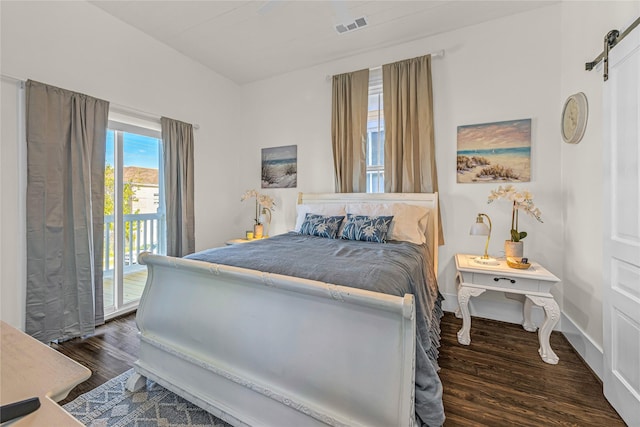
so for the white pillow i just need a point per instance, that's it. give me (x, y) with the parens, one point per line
(409, 221)
(332, 209)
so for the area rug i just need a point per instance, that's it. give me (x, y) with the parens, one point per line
(113, 405)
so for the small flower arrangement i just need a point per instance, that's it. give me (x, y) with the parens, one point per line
(521, 200)
(264, 204)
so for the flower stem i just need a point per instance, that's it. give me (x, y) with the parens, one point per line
(257, 204)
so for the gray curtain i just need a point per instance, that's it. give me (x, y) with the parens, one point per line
(177, 146)
(409, 146)
(66, 134)
(350, 98)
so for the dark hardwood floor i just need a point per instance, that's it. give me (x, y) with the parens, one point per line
(498, 380)
(108, 353)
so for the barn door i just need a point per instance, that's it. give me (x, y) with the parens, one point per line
(621, 248)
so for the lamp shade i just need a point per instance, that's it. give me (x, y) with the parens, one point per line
(479, 228)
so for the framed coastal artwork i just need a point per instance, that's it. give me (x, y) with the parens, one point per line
(280, 167)
(494, 152)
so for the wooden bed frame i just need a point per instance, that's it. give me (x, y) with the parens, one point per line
(261, 349)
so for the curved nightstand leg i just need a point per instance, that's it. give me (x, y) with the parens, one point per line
(528, 325)
(464, 294)
(551, 317)
(458, 284)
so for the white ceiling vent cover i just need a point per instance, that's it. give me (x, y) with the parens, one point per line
(351, 26)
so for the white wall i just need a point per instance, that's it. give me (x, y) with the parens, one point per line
(12, 231)
(584, 25)
(500, 70)
(77, 46)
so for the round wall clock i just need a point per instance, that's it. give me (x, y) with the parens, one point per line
(574, 118)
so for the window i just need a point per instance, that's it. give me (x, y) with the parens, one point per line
(134, 211)
(375, 134)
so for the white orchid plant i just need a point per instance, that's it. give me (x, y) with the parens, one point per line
(264, 203)
(522, 200)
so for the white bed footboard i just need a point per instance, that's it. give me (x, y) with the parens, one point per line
(263, 349)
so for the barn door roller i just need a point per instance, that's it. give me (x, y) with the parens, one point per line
(612, 38)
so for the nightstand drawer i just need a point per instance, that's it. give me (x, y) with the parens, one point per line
(506, 282)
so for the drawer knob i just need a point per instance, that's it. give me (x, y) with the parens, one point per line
(496, 279)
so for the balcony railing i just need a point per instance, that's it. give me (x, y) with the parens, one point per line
(143, 232)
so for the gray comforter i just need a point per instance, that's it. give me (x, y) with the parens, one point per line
(394, 268)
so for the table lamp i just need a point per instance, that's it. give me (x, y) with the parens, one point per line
(480, 228)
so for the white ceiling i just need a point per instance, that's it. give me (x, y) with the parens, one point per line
(247, 41)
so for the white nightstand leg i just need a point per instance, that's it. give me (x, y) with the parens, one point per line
(464, 294)
(458, 284)
(551, 317)
(528, 325)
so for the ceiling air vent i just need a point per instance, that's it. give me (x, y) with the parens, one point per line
(351, 26)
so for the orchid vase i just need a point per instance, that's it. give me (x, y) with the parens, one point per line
(513, 249)
(264, 207)
(520, 200)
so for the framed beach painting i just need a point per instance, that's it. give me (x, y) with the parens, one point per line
(494, 152)
(280, 167)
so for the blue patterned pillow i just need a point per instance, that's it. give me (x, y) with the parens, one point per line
(366, 228)
(321, 225)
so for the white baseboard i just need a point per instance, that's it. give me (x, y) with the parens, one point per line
(507, 310)
(590, 352)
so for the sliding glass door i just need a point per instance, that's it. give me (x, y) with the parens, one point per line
(134, 213)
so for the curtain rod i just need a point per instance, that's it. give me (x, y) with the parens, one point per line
(436, 54)
(612, 38)
(118, 108)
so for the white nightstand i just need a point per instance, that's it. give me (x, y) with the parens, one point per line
(241, 240)
(534, 283)
(237, 241)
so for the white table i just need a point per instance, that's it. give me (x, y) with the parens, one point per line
(241, 240)
(28, 368)
(534, 284)
(237, 241)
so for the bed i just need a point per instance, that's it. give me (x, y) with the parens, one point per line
(306, 342)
